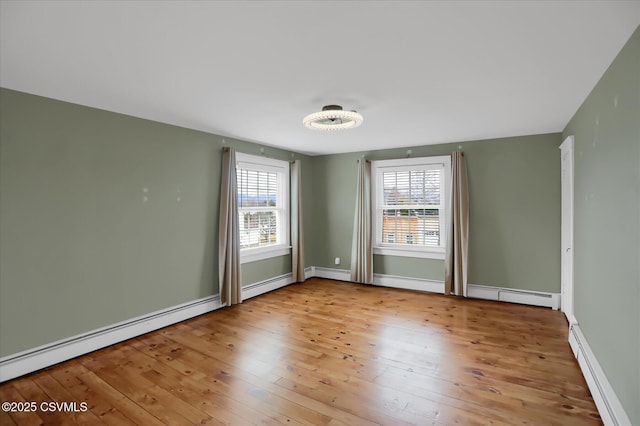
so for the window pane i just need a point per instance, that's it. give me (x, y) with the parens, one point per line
(415, 187)
(258, 229)
(412, 226)
(257, 188)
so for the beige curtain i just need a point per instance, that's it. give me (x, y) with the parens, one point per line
(229, 234)
(362, 250)
(457, 253)
(297, 234)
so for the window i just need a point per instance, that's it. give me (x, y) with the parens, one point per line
(263, 207)
(410, 198)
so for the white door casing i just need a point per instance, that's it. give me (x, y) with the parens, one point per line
(566, 279)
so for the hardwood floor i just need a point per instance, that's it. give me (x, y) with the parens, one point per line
(328, 353)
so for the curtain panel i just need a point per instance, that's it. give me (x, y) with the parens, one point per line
(362, 243)
(457, 251)
(297, 233)
(229, 233)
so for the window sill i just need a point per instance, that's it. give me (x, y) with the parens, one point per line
(428, 253)
(255, 254)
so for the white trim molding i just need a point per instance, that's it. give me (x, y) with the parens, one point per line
(512, 295)
(607, 402)
(332, 274)
(383, 246)
(256, 289)
(309, 272)
(31, 360)
(24, 362)
(475, 291)
(261, 253)
(255, 164)
(384, 280)
(408, 283)
(411, 251)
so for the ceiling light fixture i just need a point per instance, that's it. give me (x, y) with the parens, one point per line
(333, 117)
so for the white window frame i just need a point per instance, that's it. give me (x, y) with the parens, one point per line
(281, 168)
(380, 246)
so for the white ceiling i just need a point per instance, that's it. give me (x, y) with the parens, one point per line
(420, 72)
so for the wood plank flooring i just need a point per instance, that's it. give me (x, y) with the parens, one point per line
(328, 353)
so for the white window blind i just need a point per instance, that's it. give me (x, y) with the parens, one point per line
(258, 208)
(409, 206)
(412, 204)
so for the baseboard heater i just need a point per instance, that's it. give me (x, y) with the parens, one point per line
(525, 297)
(607, 402)
(62, 350)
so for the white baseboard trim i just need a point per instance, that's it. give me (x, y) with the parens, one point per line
(31, 360)
(332, 274)
(525, 297)
(384, 280)
(309, 272)
(606, 400)
(501, 294)
(408, 283)
(28, 361)
(256, 289)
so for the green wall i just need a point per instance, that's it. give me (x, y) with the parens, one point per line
(80, 248)
(607, 223)
(514, 186)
